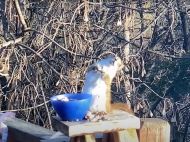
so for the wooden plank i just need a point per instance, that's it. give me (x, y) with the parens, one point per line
(22, 131)
(118, 120)
(154, 130)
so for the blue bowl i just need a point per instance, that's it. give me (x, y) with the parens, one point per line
(71, 107)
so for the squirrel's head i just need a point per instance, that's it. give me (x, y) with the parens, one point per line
(110, 65)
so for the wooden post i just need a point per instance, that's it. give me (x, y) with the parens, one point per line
(154, 130)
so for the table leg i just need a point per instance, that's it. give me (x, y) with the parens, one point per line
(85, 138)
(76, 139)
(89, 138)
(129, 135)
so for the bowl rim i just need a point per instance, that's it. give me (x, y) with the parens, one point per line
(53, 98)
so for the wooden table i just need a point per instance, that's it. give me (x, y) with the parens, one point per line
(119, 127)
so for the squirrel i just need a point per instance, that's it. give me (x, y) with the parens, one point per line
(97, 82)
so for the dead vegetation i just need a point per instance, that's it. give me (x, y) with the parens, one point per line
(46, 47)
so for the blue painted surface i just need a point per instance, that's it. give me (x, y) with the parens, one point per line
(73, 110)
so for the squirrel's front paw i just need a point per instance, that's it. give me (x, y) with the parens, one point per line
(96, 116)
(89, 115)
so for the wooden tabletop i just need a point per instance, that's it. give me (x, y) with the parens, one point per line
(117, 120)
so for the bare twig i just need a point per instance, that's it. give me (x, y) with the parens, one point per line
(47, 110)
(39, 55)
(22, 19)
(5, 44)
(29, 108)
(72, 53)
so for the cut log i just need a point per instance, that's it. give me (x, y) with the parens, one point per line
(154, 130)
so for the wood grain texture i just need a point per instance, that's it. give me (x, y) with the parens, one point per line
(129, 135)
(154, 130)
(117, 120)
(89, 138)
